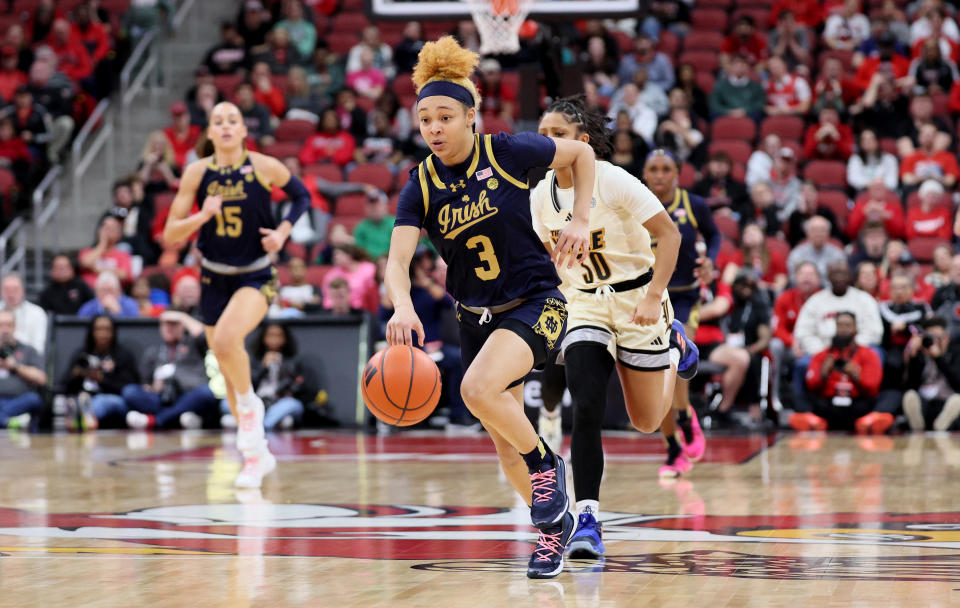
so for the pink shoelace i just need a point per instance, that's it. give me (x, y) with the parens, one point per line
(547, 545)
(247, 421)
(250, 466)
(544, 485)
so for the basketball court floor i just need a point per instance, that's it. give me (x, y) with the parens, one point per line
(421, 519)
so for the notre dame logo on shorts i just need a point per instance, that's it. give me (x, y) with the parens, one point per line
(551, 321)
(269, 289)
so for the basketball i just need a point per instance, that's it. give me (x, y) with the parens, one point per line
(401, 385)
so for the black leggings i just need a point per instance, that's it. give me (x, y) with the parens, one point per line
(553, 382)
(589, 366)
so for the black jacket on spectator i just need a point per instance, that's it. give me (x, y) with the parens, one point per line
(65, 298)
(886, 119)
(727, 192)
(948, 364)
(257, 120)
(405, 55)
(293, 380)
(911, 314)
(187, 355)
(119, 369)
(947, 293)
(226, 59)
(37, 123)
(794, 227)
(57, 96)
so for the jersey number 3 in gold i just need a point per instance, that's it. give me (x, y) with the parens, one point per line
(489, 268)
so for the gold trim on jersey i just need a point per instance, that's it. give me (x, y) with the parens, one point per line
(424, 188)
(435, 177)
(260, 178)
(476, 155)
(213, 165)
(433, 174)
(488, 144)
(681, 196)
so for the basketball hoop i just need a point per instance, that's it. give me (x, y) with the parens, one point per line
(499, 22)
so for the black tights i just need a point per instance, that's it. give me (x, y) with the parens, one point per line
(588, 372)
(553, 383)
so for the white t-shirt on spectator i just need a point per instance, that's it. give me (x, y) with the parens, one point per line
(297, 294)
(921, 29)
(816, 323)
(31, 325)
(643, 120)
(860, 174)
(759, 167)
(841, 28)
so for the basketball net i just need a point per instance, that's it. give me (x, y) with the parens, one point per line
(498, 22)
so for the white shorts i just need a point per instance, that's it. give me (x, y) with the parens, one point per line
(607, 319)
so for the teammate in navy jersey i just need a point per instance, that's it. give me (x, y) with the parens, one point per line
(472, 197)
(693, 217)
(232, 187)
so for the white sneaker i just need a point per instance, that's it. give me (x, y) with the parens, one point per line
(949, 413)
(255, 469)
(913, 410)
(551, 428)
(137, 420)
(250, 426)
(227, 421)
(190, 420)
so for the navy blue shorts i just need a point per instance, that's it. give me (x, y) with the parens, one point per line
(686, 308)
(540, 321)
(219, 288)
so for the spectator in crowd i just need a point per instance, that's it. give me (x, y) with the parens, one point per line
(303, 34)
(643, 120)
(73, 59)
(303, 103)
(380, 146)
(764, 208)
(32, 123)
(11, 76)
(760, 163)
(901, 315)
(843, 380)
(109, 300)
(497, 97)
(933, 378)
(144, 15)
(627, 152)
(176, 387)
(744, 40)
(808, 206)
(14, 155)
(845, 30)
(658, 66)
(253, 24)
(921, 114)
(148, 300)
(21, 376)
(809, 13)
(867, 278)
(367, 80)
(330, 143)
(789, 41)
(927, 162)
(881, 108)
(279, 377)
(939, 274)
(767, 268)
(406, 51)
(350, 263)
(158, 166)
(128, 209)
(828, 139)
(298, 294)
(721, 190)
(678, 134)
(337, 298)
(265, 92)
(353, 118)
(185, 294)
(787, 93)
(786, 308)
(256, 116)
(932, 72)
(372, 234)
(817, 248)
(877, 206)
(885, 59)
(832, 89)
(326, 75)
(181, 135)
(697, 100)
(736, 94)
(16, 38)
(931, 218)
(278, 52)
(948, 294)
(669, 15)
(229, 56)
(207, 96)
(30, 319)
(98, 371)
(652, 95)
(870, 162)
(785, 183)
(748, 328)
(66, 292)
(382, 53)
(105, 255)
(929, 15)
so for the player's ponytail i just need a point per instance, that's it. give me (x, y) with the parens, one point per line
(447, 63)
(587, 120)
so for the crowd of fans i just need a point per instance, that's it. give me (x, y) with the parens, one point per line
(821, 134)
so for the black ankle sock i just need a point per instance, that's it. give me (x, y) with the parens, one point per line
(673, 446)
(683, 421)
(538, 456)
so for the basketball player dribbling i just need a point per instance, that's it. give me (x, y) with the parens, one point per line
(619, 311)
(232, 187)
(472, 197)
(692, 215)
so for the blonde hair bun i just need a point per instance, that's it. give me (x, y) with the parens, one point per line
(446, 60)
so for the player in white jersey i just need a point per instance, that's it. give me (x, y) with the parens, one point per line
(619, 313)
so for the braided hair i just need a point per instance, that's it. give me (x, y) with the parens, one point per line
(588, 121)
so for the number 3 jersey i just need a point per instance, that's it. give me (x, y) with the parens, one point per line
(477, 214)
(233, 236)
(619, 244)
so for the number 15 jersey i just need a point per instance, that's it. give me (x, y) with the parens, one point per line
(477, 214)
(619, 243)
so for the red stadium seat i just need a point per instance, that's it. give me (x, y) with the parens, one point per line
(688, 176)
(838, 203)
(294, 130)
(727, 247)
(294, 250)
(403, 85)
(624, 41)
(760, 15)
(739, 151)
(341, 42)
(316, 273)
(709, 18)
(350, 22)
(778, 245)
(403, 176)
(922, 247)
(162, 202)
(891, 197)
(787, 127)
(351, 205)
(738, 172)
(494, 124)
(843, 56)
(227, 83)
(728, 127)
(795, 145)
(373, 174)
(723, 5)
(827, 173)
(394, 200)
(283, 149)
(889, 145)
(348, 222)
(669, 43)
(727, 226)
(941, 104)
(706, 40)
(706, 80)
(7, 181)
(702, 61)
(327, 171)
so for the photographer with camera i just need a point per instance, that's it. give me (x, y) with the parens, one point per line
(21, 376)
(843, 381)
(932, 377)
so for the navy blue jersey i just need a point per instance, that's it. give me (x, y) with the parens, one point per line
(692, 215)
(233, 235)
(477, 214)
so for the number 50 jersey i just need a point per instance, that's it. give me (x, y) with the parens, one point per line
(619, 243)
(477, 214)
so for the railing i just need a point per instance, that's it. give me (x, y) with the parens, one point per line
(46, 203)
(82, 160)
(134, 75)
(18, 258)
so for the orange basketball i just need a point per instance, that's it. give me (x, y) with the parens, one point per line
(401, 385)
